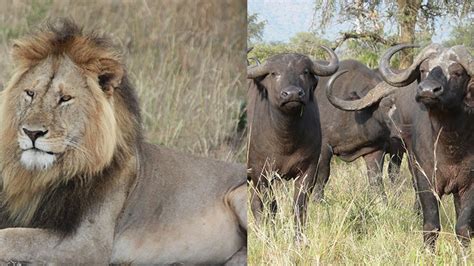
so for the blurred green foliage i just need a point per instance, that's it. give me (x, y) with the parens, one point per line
(365, 50)
(37, 12)
(34, 13)
(254, 29)
(303, 42)
(462, 34)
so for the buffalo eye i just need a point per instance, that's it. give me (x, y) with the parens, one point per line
(30, 93)
(423, 72)
(455, 70)
(65, 98)
(274, 74)
(456, 74)
(306, 71)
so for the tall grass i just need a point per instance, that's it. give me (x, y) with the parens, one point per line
(353, 226)
(186, 58)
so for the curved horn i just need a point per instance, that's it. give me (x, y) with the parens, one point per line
(326, 70)
(257, 62)
(464, 58)
(373, 96)
(257, 71)
(407, 76)
(248, 51)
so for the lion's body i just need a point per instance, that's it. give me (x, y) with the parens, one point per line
(182, 201)
(78, 183)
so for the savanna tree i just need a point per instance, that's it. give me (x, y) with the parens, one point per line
(254, 29)
(414, 20)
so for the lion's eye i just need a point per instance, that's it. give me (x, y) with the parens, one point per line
(30, 93)
(65, 98)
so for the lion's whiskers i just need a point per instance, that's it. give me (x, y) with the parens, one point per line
(78, 147)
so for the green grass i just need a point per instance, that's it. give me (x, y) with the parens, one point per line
(185, 58)
(353, 226)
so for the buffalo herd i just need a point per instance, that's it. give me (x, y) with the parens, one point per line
(302, 112)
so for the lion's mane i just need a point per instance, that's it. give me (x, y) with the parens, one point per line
(58, 198)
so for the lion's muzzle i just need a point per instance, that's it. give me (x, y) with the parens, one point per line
(36, 152)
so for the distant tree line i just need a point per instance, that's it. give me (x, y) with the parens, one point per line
(414, 21)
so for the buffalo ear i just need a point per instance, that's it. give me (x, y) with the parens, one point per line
(111, 75)
(469, 98)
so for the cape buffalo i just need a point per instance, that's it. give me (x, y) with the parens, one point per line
(285, 133)
(436, 121)
(350, 135)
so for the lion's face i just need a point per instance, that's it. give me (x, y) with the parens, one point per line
(54, 112)
(58, 119)
(67, 113)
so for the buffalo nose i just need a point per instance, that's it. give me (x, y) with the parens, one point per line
(430, 88)
(34, 134)
(292, 92)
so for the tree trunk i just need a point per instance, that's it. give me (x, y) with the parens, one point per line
(407, 14)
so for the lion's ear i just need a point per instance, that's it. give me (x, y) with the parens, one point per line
(111, 75)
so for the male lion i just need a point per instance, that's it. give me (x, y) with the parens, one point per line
(79, 185)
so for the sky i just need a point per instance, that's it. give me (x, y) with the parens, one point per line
(285, 18)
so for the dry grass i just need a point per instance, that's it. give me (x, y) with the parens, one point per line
(186, 58)
(354, 227)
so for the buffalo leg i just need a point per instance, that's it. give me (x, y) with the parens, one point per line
(465, 222)
(261, 194)
(324, 171)
(416, 204)
(431, 224)
(457, 204)
(303, 188)
(374, 163)
(430, 209)
(396, 157)
(273, 207)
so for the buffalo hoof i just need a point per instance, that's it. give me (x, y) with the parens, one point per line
(318, 197)
(430, 235)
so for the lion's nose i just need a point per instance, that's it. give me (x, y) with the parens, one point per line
(34, 134)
